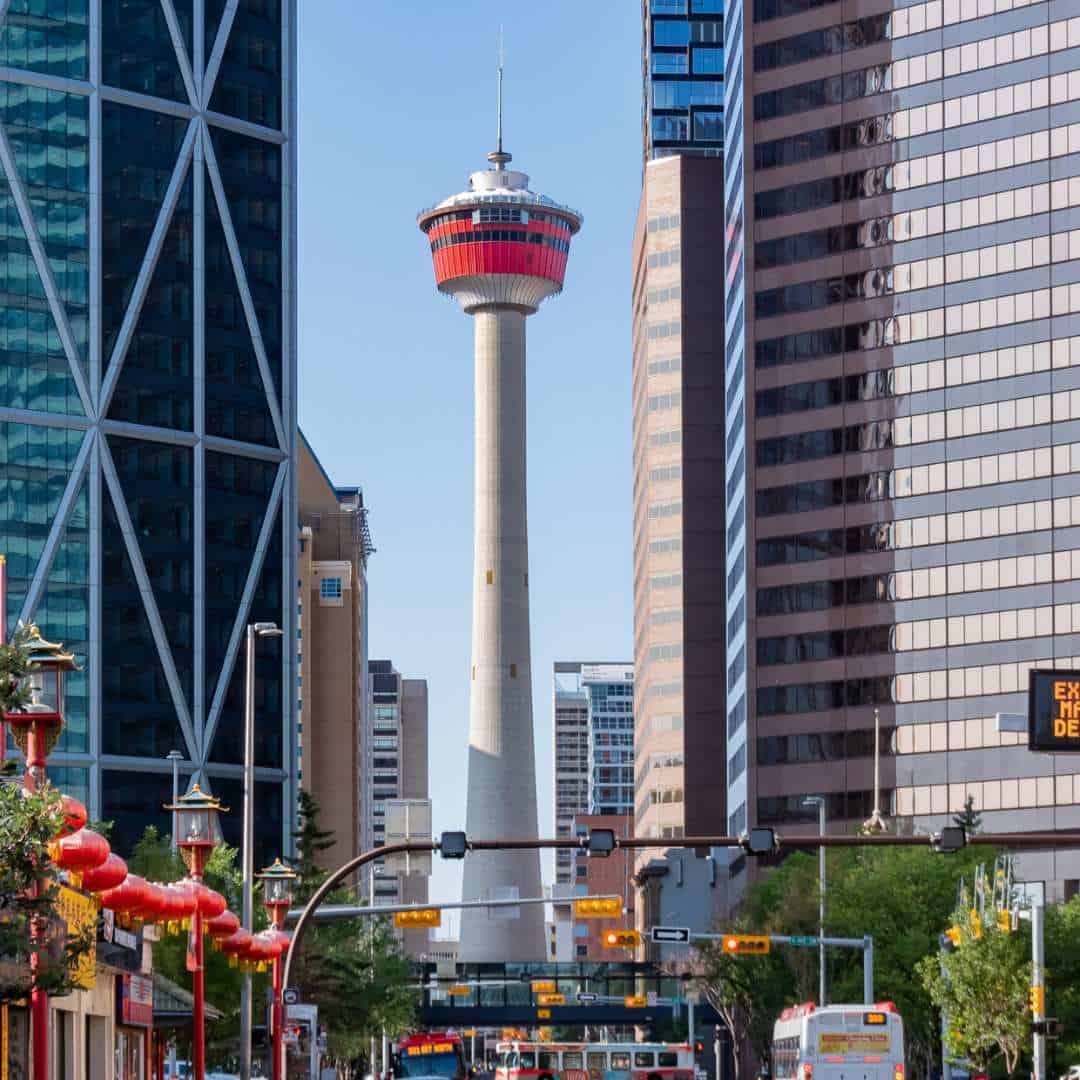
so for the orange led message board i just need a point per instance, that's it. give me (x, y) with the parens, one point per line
(1054, 712)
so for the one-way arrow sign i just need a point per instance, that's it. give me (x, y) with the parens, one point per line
(585, 998)
(670, 935)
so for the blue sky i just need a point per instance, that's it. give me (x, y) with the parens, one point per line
(397, 107)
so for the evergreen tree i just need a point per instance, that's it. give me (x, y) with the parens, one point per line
(969, 819)
(311, 842)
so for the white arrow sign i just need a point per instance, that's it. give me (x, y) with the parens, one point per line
(671, 935)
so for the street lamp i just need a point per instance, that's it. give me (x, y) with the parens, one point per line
(175, 757)
(254, 630)
(198, 831)
(876, 824)
(35, 727)
(819, 802)
(279, 882)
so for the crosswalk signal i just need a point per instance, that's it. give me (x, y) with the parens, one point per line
(952, 935)
(746, 944)
(419, 917)
(622, 939)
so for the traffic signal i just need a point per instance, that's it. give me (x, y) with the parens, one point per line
(622, 939)
(635, 1001)
(952, 936)
(420, 917)
(976, 924)
(1004, 921)
(590, 907)
(1037, 999)
(543, 986)
(746, 944)
(543, 1014)
(551, 999)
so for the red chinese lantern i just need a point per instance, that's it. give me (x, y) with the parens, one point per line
(261, 952)
(126, 897)
(222, 926)
(155, 905)
(108, 875)
(236, 946)
(211, 903)
(74, 816)
(79, 852)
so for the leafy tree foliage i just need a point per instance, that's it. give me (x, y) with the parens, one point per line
(982, 987)
(969, 819)
(28, 893)
(353, 970)
(154, 861)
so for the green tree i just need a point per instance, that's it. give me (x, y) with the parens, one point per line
(353, 970)
(1063, 974)
(154, 860)
(969, 819)
(903, 898)
(982, 987)
(28, 893)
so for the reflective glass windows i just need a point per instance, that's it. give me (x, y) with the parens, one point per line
(50, 36)
(249, 81)
(137, 52)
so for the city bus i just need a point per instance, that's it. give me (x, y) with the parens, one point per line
(430, 1056)
(594, 1061)
(839, 1042)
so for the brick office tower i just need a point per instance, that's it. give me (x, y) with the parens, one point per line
(500, 250)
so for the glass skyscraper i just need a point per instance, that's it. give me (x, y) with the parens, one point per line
(147, 386)
(903, 362)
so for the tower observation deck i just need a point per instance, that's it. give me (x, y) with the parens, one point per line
(500, 250)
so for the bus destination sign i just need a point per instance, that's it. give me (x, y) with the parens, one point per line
(1054, 712)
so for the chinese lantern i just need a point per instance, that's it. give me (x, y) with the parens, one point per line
(236, 946)
(108, 875)
(222, 926)
(127, 897)
(211, 904)
(74, 816)
(155, 904)
(278, 939)
(81, 851)
(261, 952)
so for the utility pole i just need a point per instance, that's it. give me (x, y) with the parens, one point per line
(1038, 987)
(819, 802)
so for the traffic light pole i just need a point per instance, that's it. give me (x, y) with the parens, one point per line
(1038, 988)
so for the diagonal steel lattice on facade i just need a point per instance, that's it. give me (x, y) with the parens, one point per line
(148, 384)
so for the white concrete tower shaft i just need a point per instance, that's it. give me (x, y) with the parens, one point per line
(502, 774)
(500, 250)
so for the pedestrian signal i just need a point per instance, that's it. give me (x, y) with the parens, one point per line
(418, 917)
(622, 939)
(746, 944)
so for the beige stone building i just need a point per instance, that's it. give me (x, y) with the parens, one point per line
(332, 648)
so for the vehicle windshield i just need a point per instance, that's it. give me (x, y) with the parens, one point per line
(441, 1064)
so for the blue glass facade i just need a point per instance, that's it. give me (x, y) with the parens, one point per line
(147, 386)
(683, 72)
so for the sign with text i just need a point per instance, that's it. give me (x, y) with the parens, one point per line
(136, 994)
(79, 913)
(1054, 712)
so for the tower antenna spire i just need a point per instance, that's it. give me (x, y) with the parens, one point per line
(498, 157)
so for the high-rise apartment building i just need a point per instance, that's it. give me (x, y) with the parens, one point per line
(147, 408)
(332, 699)
(678, 429)
(395, 753)
(903, 344)
(593, 735)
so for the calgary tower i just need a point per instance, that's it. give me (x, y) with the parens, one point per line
(500, 250)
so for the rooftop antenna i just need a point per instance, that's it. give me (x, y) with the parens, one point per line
(498, 157)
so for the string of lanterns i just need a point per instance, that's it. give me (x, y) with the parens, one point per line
(86, 857)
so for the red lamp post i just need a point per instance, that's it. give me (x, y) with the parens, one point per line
(35, 727)
(279, 881)
(197, 831)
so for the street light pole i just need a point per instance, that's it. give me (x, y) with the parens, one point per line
(819, 802)
(175, 757)
(254, 630)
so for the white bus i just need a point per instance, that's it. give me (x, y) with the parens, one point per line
(839, 1042)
